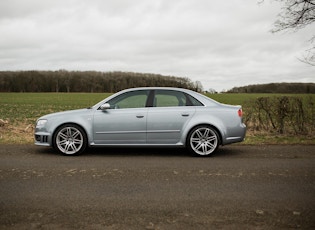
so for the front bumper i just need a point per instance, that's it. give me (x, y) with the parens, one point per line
(42, 139)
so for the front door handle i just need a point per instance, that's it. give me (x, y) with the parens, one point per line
(140, 116)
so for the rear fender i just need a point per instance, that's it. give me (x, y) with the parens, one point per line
(205, 119)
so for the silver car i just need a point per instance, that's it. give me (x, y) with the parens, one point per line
(150, 117)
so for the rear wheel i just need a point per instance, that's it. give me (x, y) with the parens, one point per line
(203, 140)
(70, 139)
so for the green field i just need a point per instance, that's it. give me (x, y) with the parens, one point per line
(20, 111)
(244, 98)
(30, 106)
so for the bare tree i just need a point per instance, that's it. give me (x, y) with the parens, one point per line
(295, 15)
(198, 86)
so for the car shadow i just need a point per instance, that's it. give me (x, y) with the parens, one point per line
(144, 151)
(136, 151)
(228, 151)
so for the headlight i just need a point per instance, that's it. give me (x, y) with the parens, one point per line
(41, 123)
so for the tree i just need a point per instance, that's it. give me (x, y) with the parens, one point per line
(212, 91)
(295, 15)
(198, 86)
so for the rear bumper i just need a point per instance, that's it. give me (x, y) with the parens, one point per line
(241, 133)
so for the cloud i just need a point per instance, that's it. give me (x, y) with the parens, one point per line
(220, 43)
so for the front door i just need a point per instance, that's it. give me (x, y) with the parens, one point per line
(125, 122)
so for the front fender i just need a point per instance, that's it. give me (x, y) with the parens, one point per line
(84, 121)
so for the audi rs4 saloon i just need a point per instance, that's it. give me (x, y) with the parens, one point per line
(148, 117)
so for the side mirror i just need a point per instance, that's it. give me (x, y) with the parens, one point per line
(105, 106)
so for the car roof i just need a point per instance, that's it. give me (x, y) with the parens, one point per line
(154, 88)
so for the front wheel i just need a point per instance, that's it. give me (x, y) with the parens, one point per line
(203, 140)
(70, 139)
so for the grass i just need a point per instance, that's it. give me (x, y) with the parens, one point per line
(244, 98)
(19, 111)
(30, 106)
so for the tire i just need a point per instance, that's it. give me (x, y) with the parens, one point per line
(203, 140)
(70, 139)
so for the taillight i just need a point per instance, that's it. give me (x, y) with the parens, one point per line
(240, 113)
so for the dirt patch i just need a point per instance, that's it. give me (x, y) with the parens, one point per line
(16, 133)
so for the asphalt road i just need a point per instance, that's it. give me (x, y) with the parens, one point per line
(241, 187)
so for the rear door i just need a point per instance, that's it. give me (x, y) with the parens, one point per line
(169, 114)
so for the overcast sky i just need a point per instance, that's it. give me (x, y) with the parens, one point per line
(222, 44)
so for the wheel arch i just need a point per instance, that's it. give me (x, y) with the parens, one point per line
(68, 123)
(203, 124)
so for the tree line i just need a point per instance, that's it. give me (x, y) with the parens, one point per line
(87, 81)
(290, 88)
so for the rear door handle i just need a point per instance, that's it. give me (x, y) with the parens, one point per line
(185, 114)
(140, 116)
